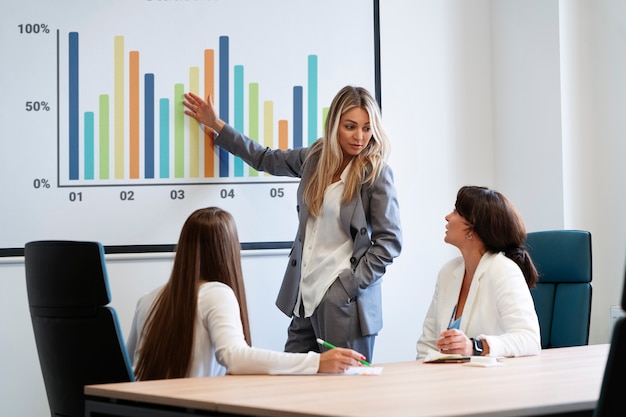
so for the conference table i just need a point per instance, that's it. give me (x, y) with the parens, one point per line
(559, 381)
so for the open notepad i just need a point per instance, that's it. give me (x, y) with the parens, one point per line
(434, 356)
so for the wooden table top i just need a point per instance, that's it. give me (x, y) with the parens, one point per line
(557, 380)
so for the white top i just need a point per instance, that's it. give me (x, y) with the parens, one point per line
(219, 343)
(499, 307)
(327, 249)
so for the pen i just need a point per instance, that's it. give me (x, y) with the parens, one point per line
(329, 346)
(452, 318)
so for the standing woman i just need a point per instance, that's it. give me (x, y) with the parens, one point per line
(197, 323)
(482, 303)
(349, 220)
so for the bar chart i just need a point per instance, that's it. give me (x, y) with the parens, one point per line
(95, 142)
(135, 135)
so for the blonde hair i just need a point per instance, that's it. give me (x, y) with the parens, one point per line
(366, 166)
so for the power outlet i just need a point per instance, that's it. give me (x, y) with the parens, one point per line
(615, 313)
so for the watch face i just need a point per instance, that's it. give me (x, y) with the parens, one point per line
(478, 346)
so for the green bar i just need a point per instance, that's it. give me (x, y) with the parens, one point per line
(324, 115)
(104, 136)
(179, 131)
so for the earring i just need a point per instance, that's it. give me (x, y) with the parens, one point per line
(468, 236)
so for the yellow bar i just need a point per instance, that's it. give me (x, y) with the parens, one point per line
(118, 106)
(268, 124)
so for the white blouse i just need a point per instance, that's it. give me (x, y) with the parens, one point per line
(219, 344)
(327, 249)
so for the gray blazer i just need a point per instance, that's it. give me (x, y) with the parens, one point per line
(372, 218)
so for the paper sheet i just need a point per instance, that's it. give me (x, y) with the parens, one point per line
(364, 370)
(484, 361)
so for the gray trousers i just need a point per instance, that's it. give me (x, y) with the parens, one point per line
(335, 320)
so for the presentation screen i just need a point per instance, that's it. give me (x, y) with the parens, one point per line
(95, 144)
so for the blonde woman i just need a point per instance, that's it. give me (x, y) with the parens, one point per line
(349, 221)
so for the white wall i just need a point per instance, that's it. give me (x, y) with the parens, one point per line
(524, 96)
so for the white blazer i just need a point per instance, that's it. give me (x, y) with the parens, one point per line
(499, 308)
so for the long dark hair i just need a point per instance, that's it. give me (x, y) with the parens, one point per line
(208, 250)
(498, 224)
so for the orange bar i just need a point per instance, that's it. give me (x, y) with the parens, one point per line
(283, 134)
(133, 108)
(209, 135)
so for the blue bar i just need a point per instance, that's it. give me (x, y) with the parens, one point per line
(149, 125)
(73, 104)
(297, 117)
(312, 96)
(224, 103)
(89, 145)
(164, 138)
(239, 87)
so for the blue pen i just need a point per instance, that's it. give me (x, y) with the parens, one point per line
(452, 318)
(329, 346)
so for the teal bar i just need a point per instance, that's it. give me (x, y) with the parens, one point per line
(164, 138)
(312, 98)
(89, 145)
(239, 114)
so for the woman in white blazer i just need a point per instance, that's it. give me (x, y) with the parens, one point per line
(482, 303)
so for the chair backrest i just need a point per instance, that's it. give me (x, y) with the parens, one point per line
(563, 295)
(612, 396)
(78, 337)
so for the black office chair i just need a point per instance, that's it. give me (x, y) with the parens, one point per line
(79, 339)
(612, 401)
(563, 295)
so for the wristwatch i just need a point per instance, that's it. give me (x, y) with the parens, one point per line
(478, 346)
